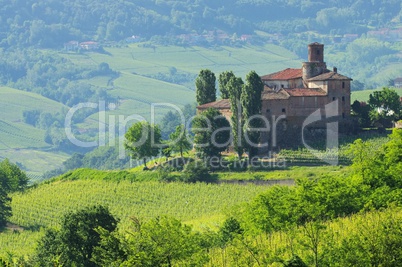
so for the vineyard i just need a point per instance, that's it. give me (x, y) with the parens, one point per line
(19, 137)
(322, 156)
(45, 205)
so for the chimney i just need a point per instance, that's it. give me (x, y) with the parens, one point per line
(335, 69)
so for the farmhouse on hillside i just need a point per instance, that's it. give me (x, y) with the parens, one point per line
(398, 83)
(292, 95)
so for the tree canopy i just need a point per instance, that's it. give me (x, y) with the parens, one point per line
(251, 104)
(75, 242)
(212, 133)
(179, 140)
(5, 201)
(234, 87)
(12, 179)
(143, 141)
(223, 80)
(205, 87)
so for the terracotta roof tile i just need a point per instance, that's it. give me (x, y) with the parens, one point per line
(220, 104)
(306, 92)
(270, 94)
(286, 74)
(329, 76)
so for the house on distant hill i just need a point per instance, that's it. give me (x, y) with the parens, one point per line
(71, 46)
(295, 94)
(398, 82)
(90, 45)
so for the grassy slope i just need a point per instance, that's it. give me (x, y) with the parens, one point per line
(199, 204)
(364, 95)
(20, 141)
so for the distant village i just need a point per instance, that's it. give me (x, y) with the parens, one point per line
(222, 37)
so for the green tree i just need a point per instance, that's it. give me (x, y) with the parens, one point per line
(229, 230)
(234, 88)
(386, 105)
(392, 160)
(362, 158)
(212, 133)
(223, 81)
(197, 171)
(5, 200)
(205, 87)
(179, 140)
(14, 179)
(143, 140)
(362, 111)
(172, 119)
(251, 104)
(74, 162)
(164, 241)
(74, 243)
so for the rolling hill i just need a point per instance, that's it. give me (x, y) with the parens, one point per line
(21, 142)
(162, 75)
(203, 205)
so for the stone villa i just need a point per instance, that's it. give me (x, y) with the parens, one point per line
(297, 93)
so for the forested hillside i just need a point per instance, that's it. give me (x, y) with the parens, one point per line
(49, 23)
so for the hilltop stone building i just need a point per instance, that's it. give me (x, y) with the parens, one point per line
(292, 95)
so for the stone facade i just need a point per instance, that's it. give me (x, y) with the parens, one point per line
(292, 95)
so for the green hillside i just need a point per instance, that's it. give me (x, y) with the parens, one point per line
(146, 74)
(364, 94)
(14, 102)
(21, 142)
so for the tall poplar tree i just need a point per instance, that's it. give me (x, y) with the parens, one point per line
(212, 133)
(234, 87)
(223, 81)
(205, 87)
(251, 103)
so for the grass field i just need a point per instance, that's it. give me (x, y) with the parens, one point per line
(364, 94)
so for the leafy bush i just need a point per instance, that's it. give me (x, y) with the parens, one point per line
(196, 171)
